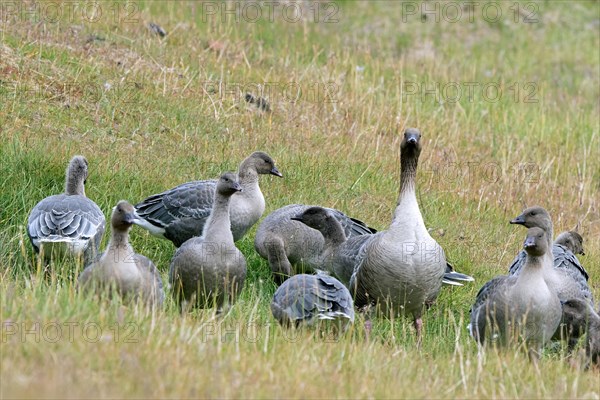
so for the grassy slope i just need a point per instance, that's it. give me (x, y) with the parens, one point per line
(161, 123)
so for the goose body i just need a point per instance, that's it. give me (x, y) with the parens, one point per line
(310, 298)
(292, 247)
(402, 267)
(68, 223)
(181, 213)
(210, 270)
(581, 314)
(132, 275)
(522, 307)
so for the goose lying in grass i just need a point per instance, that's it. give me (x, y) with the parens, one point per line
(403, 267)
(580, 313)
(68, 223)
(340, 255)
(181, 213)
(311, 298)
(120, 268)
(565, 274)
(522, 307)
(292, 247)
(209, 270)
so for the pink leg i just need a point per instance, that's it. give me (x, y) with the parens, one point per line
(418, 327)
(368, 327)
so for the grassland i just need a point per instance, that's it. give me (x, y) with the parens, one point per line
(151, 112)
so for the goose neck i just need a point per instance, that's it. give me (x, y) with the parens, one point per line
(75, 186)
(218, 223)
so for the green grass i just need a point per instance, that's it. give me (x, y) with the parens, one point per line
(166, 120)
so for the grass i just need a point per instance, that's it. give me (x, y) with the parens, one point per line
(150, 113)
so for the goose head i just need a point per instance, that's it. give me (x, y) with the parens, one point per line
(534, 217)
(123, 216)
(536, 244)
(262, 163)
(77, 173)
(576, 311)
(228, 184)
(572, 241)
(411, 143)
(314, 217)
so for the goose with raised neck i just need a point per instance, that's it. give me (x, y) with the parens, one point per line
(180, 213)
(307, 299)
(292, 247)
(519, 307)
(68, 223)
(132, 275)
(402, 267)
(209, 270)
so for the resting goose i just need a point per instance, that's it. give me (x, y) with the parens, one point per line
(292, 247)
(132, 275)
(572, 241)
(311, 298)
(68, 223)
(180, 213)
(580, 313)
(403, 267)
(522, 307)
(340, 255)
(209, 270)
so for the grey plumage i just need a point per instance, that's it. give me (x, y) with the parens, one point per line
(209, 270)
(68, 223)
(292, 247)
(581, 315)
(132, 275)
(181, 213)
(519, 307)
(310, 298)
(403, 267)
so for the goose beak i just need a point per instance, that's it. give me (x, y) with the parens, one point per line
(275, 171)
(520, 220)
(297, 218)
(529, 242)
(131, 218)
(237, 187)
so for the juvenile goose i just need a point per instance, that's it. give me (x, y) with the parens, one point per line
(579, 313)
(403, 267)
(310, 298)
(180, 213)
(572, 241)
(340, 256)
(292, 247)
(68, 223)
(132, 275)
(519, 307)
(209, 269)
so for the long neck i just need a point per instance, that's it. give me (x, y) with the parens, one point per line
(248, 177)
(218, 223)
(407, 205)
(74, 185)
(119, 247)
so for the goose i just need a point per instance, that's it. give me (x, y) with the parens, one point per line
(133, 275)
(292, 247)
(520, 307)
(568, 277)
(307, 299)
(181, 213)
(210, 270)
(68, 223)
(403, 267)
(341, 255)
(572, 241)
(580, 313)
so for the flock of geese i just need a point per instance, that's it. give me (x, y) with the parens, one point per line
(325, 263)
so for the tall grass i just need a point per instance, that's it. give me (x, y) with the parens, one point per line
(150, 113)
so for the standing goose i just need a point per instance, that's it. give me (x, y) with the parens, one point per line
(133, 275)
(519, 307)
(311, 298)
(181, 213)
(403, 267)
(209, 269)
(292, 247)
(68, 223)
(340, 256)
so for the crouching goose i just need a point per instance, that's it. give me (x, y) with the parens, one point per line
(68, 223)
(209, 270)
(292, 247)
(181, 213)
(580, 313)
(340, 255)
(132, 275)
(311, 298)
(522, 307)
(402, 267)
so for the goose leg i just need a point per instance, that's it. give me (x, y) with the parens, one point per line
(419, 328)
